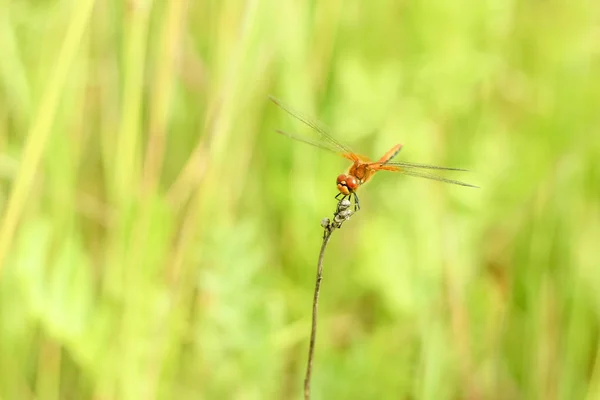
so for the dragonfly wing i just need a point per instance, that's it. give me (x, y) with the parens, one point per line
(420, 174)
(312, 142)
(324, 137)
(404, 165)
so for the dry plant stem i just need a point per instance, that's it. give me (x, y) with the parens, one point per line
(342, 214)
(313, 331)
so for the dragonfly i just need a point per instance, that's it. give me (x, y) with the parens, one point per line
(362, 168)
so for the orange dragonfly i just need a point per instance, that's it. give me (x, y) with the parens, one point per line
(362, 168)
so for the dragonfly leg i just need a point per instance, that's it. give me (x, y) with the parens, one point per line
(341, 196)
(349, 197)
(356, 202)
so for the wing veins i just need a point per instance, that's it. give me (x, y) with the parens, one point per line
(300, 138)
(424, 166)
(435, 178)
(312, 124)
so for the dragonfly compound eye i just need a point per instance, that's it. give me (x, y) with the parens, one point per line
(341, 185)
(351, 182)
(346, 184)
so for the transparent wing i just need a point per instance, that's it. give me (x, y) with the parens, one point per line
(312, 142)
(322, 140)
(420, 174)
(403, 165)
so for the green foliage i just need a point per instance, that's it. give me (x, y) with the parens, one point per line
(159, 240)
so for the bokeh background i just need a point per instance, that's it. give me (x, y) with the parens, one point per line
(159, 240)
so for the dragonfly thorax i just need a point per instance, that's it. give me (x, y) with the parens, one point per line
(347, 184)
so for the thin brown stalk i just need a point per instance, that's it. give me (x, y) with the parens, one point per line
(342, 214)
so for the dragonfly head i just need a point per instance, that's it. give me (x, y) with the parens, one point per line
(347, 184)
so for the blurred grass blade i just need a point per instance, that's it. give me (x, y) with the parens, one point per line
(42, 125)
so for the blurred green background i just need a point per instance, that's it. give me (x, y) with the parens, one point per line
(159, 240)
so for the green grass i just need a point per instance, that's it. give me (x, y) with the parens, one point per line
(159, 240)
